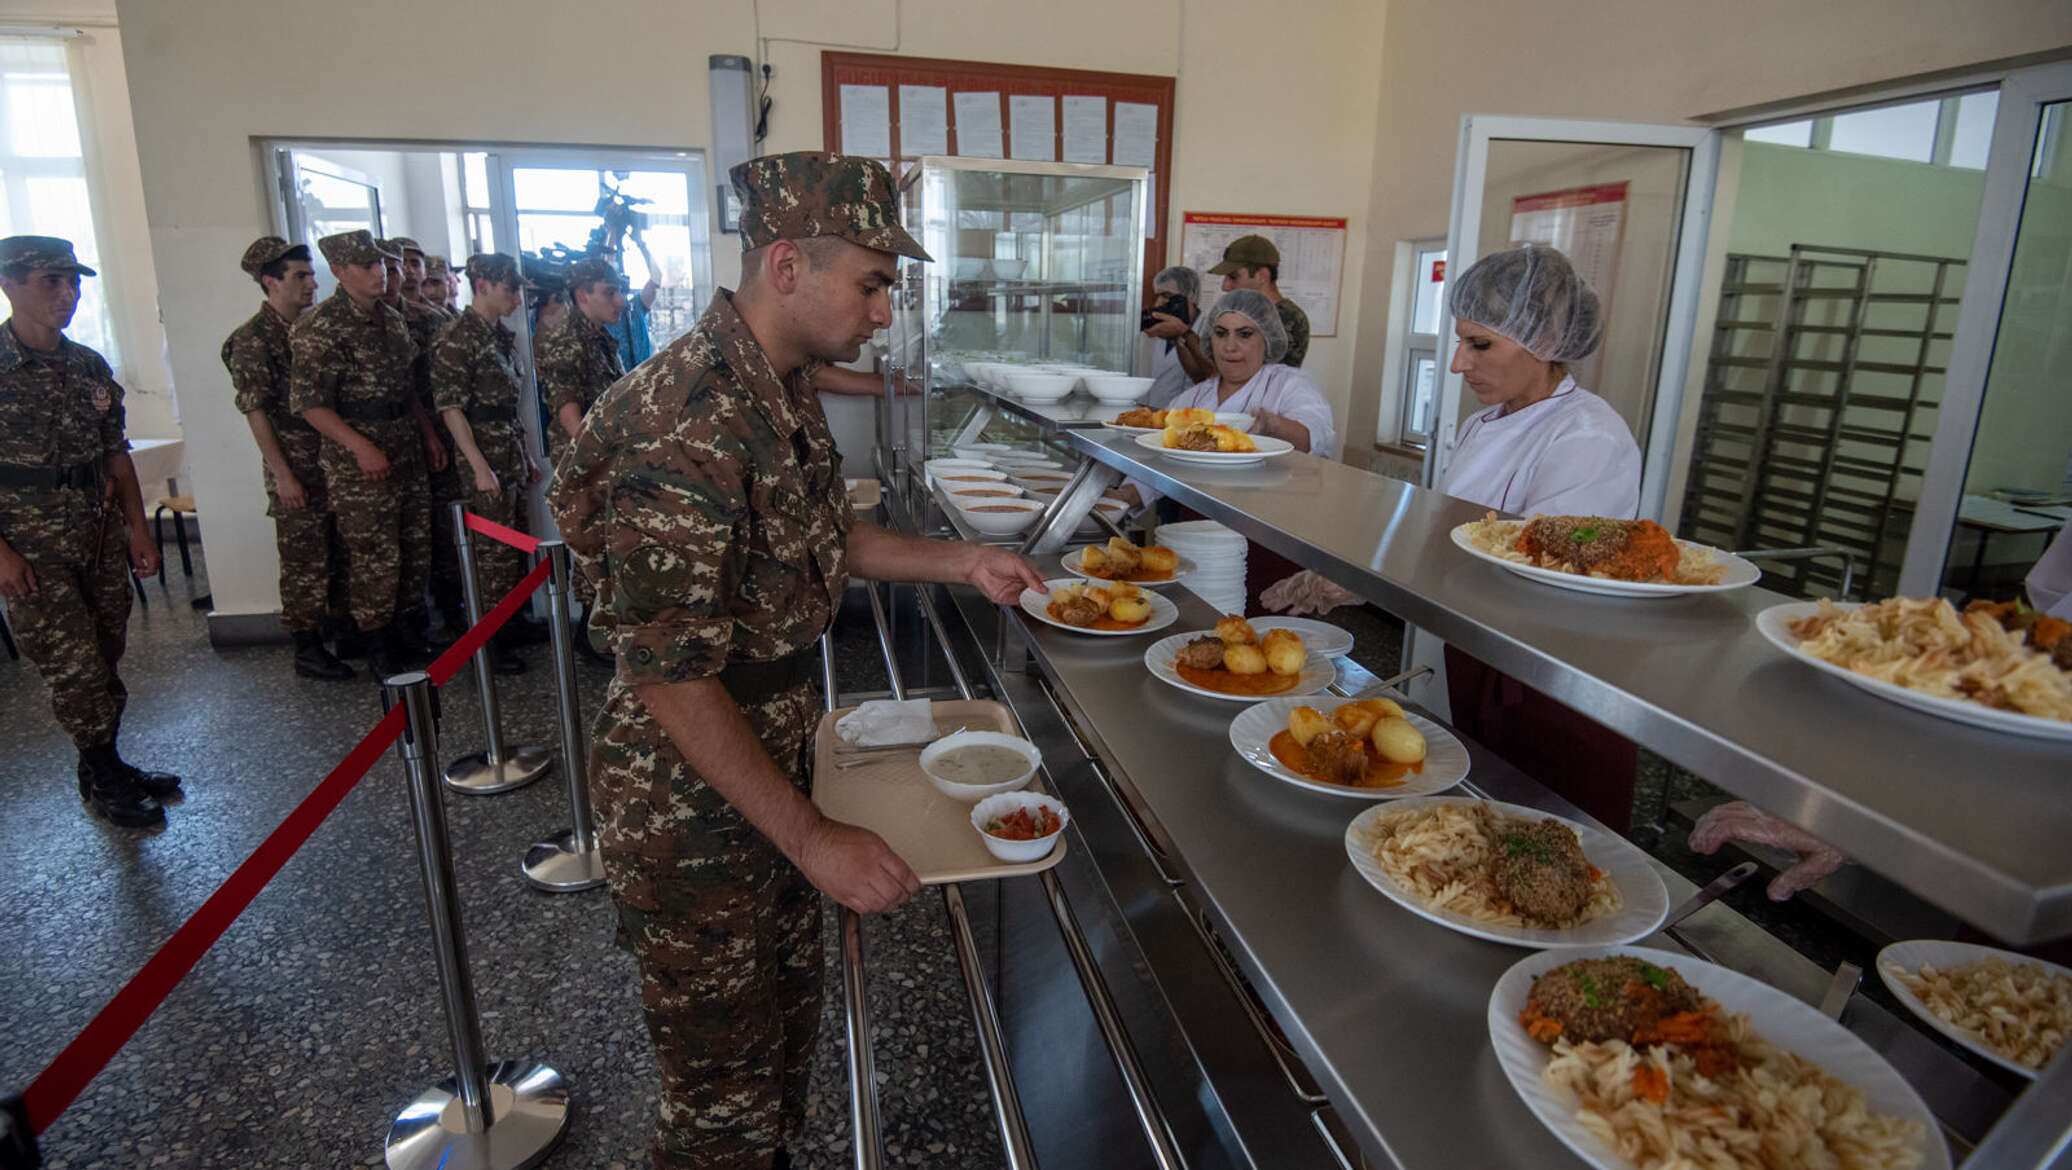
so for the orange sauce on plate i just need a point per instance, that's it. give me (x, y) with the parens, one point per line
(1380, 773)
(1104, 622)
(1226, 683)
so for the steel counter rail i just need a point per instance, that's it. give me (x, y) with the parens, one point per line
(1972, 820)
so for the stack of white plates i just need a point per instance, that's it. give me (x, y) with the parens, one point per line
(1220, 552)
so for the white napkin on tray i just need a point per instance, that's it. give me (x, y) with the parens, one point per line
(883, 721)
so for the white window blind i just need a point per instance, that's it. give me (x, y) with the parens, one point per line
(43, 189)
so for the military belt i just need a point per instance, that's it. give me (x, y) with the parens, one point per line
(495, 414)
(754, 683)
(372, 411)
(77, 475)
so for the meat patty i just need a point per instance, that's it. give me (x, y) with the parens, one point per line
(1338, 758)
(1204, 653)
(1080, 611)
(1540, 869)
(1627, 550)
(1611, 998)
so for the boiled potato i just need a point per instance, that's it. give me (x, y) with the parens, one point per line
(1193, 416)
(1228, 439)
(1383, 708)
(1285, 652)
(1101, 595)
(1064, 593)
(1307, 723)
(1236, 631)
(1242, 659)
(1159, 559)
(1093, 559)
(1398, 741)
(1355, 719)
(1122, 558)
(1132, 609)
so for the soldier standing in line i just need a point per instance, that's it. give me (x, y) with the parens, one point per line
(437, 287)
(476, 386)
(577, 357)
(71, 522)
(445, 486)
(258, 358)
(351, 379)
(417, 267)
(704, 493)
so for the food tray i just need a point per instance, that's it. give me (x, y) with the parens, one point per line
(892, 798)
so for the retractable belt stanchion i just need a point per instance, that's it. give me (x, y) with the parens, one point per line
(567, 861)
(496, 768)
(506, 1116)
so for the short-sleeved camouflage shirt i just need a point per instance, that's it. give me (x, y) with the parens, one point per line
(1296, 322)
(345, 355)
(57, 409)
(577, 360)
(705, 496)
(259, 357)
(473, 371)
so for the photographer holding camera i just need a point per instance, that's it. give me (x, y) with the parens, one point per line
(1177, 291)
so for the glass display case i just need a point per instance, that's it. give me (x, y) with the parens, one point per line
(1035, 264)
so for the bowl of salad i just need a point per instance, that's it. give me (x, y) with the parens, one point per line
(1019, 826)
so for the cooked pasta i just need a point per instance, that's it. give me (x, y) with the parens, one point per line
(2022, 1011)
(1446, 855)
(1924, 644)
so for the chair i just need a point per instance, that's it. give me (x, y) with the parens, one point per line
(181, 507)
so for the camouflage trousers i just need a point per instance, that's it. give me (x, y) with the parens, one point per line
(447, 486)
(385, 525)
(73, 628)
(306, 539)
(726, 930)
(498, 566)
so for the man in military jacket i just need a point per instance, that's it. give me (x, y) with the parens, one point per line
(258, 357)
(704, 493)
(577, 357)
(71, 522)
(443, 476)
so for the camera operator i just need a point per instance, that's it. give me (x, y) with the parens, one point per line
(1177, 291)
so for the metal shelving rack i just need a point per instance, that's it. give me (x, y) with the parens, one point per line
(1824, 452)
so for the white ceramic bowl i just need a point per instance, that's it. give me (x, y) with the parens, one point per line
(970, 267)
(1010, 269)
(970, 793)
(1117, 389)
(1009, 523)
(969, 495)
(953, 466)
(982, 452)
(1007, 802)
(956, 477)
(1049, 482)
(1040, 386)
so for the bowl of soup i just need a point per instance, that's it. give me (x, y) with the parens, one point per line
(972, 765)
(1001, 517)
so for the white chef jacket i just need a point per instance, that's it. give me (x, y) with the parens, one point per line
(2050, 581)
(1569, 454)
(1284, 390)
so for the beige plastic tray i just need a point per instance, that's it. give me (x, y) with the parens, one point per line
(892, 798)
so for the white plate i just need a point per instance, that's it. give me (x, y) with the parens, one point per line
(1163, 613)
(1446, 760)
(1317, 670)
(1775, 624)
(1234, 419)
(1741, 573)
(1322, 637)
(1782, 1020)
(1645, 902)
(1944, 955)
(1070, 563)
(1268, 446)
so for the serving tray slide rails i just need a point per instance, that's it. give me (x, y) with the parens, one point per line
(892, 797)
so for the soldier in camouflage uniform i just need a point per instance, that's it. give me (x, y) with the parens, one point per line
(257, 356)
(71, 522)
(476, 386)
(437, 287)
(704, 494)
(445, 485)
(351, 379)
(577, 358)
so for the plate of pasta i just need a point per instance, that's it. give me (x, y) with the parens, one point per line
(1636, 1057)
(1599, 554)
(1507, 873)
(1922, 653)
(2011, 1009)
(1365, 749)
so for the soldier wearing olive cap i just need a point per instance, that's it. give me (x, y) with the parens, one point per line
(438, 285)
(704, 495)
(351, 379)
(258, 356)
(1249, 262)
(444, 485)
(71, 521)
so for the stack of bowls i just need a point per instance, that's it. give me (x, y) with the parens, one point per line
(1220, 553)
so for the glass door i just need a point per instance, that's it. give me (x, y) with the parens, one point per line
(1629, 205)
(322, 197)
(1999, 481)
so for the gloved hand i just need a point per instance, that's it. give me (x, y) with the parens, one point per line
(1738, 820)
(1304, 593)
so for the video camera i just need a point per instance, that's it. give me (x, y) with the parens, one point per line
(619, 217)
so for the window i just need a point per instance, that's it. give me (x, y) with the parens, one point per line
(1421, 360)
(1784, 134)
(561, 207)
(43, 188)
(1972, 134)
(475, 199)
(1905, 132)
(1946, 131)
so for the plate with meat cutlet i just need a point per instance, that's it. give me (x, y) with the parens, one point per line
(1601, 554)
(1349, 747)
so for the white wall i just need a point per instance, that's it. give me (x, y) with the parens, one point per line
(1275, 112)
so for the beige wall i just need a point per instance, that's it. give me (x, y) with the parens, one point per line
(1632, 60)
(1275, 113)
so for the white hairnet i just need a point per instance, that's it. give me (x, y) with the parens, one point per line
(1255, 306)
(1532, 295)
(1181, 279)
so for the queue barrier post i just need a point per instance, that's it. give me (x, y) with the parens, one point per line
(496, 768)
(503, 1116)
(567, 861)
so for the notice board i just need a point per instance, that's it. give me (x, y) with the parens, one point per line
(1586, 224)
(1312, 257)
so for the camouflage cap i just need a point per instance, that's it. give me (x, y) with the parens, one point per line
(354, 247)
(404, 245)
(1247, 252)
(496, 268)
(810, 193)
(591, 270)
(41, 252)
(264, 251)
(436, 265)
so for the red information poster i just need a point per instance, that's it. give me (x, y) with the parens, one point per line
(1312, 256)
(1586, 224)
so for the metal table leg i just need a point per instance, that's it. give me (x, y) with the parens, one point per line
(863, 1077)
(1007, 1103)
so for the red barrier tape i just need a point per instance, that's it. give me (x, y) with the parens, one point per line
(57, 1086)
(495, 531)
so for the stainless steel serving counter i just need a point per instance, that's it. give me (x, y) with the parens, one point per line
(1974, 821)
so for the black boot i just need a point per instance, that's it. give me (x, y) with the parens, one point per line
(391, 653)
(313, 661)
(162, 785)
(109, 793)
(503, 655)
(346, 640)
